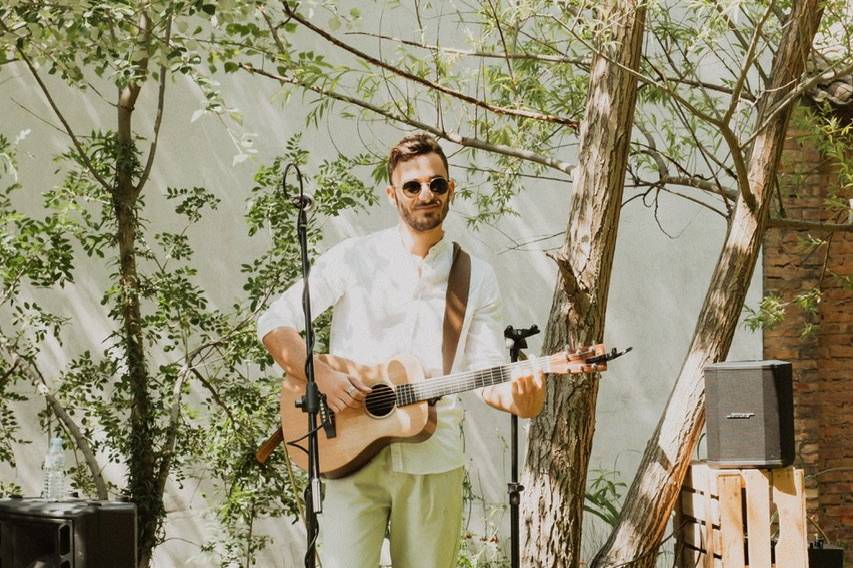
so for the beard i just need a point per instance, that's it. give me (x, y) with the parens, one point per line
(421, 219)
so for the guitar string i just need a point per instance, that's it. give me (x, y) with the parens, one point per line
(450, 379)
(438, 384)
(435, 386)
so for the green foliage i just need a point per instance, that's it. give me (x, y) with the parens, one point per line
(208, 390)
(205, 398)
(208, 355)
(534, 82)
(769, 314)
(33, 251)
(772, 309)
(603, 495)
(822, 130)
(833, 138)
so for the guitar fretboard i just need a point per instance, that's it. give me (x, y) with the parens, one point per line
(461, 382)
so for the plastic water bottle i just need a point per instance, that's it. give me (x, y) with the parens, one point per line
(53, 488)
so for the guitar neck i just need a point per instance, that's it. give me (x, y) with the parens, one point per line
(470, 380)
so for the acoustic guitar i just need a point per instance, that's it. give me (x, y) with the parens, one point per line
(400, 406)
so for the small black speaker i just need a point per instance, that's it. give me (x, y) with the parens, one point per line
(749, 410)
(825, 556)
(67, 534)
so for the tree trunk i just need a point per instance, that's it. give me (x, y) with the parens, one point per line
(637, 535)
(142, 477)
(142, 460)
(561, 437)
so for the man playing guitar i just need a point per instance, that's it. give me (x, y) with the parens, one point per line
(388, 291)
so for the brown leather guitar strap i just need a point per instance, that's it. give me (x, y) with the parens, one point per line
(456, 302)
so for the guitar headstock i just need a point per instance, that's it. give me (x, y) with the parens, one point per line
(591, 359)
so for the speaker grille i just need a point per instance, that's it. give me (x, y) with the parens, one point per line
(749, 414)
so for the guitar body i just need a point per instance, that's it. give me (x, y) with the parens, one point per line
(360, 434)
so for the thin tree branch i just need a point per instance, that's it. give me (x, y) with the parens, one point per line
(740, 37)
(215, 394)
(728, 136)
(503, 41)
(699, 183)
(68, 130)
(273, 29)
(679, 111)
(740, 165)
(660, 185)
(520, 246)
(798, 225)
(652, 149)
(473, 53)
(794, 94)
(710, 86)
(747, 63)
(37, 378)
(780, 15)
(571, 123)
(158, 119)
(388, 84)
(476, 168)
(686, 180)
(167, 451)
(11, 369)
(503, 149)
(82, 445)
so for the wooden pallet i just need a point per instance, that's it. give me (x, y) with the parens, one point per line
(738, 518)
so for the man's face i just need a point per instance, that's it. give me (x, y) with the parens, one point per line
(426, 210)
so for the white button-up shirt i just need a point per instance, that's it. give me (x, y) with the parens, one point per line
(387, 302)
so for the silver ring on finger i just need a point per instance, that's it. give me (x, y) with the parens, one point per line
(350, 390)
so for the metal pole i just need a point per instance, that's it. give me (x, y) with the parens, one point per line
(310, 402)
(517, 340)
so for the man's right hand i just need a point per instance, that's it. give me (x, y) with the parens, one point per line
(341, 391)
(288, 349)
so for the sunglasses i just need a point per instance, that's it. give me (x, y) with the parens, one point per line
(437, 185)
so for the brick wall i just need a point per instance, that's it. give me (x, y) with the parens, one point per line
(823, 362)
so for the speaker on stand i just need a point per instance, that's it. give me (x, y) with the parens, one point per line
(749, 414)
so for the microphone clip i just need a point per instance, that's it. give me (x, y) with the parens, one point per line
(302, 202)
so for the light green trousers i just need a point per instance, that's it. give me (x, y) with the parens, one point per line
(424, 512)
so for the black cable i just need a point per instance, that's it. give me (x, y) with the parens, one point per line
(299, 439)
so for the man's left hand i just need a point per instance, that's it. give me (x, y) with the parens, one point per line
(524, 396)
(528, 394)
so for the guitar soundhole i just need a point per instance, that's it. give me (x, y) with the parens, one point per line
(380, 401)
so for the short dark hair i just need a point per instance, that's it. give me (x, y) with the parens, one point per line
(413, 145)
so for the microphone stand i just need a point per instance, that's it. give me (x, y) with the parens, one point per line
(310, 402)
(518, 340)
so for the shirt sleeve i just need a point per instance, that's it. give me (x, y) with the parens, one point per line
(485, 346)
(327, 283)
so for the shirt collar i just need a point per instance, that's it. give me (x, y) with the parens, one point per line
(436, 255)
